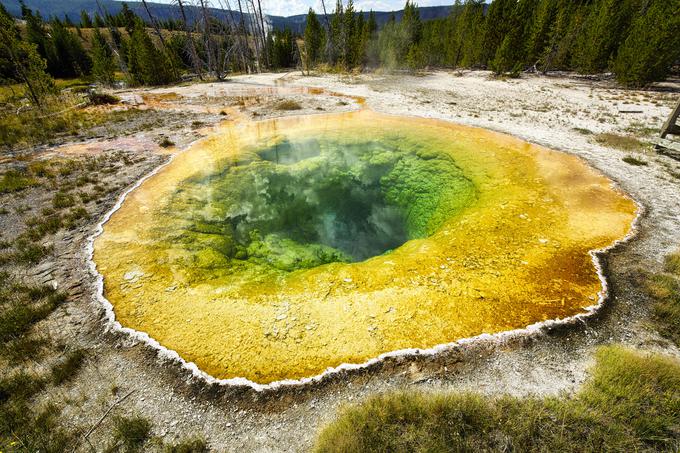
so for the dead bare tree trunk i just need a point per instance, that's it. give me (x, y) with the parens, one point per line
(196, 61)
(255, 37)
(329, 41)
(240, 47)
(112, 43)
(207, 37)
(264, 34)
(243, 30)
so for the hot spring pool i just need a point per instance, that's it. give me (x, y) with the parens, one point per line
(274, 250)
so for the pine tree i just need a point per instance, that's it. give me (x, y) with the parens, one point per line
(282, 48)
(349, 36)
(103, 63)
(98, 21)
(511, 55)
(360, 39)
(85, 20)
(372, 52)
(466, 34)
(335, 38)
(470, 30)
(72, 59)
(651, 47)
(146, 64)
(127, 18)
(568, 25)
(411, 33)
(23, 62)
(539, 35)
(390, 42)
(371, 24)
(605, 26)
(36, 33)
(499, 20)
(314, 39)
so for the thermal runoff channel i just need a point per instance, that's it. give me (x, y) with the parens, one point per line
(274, 250)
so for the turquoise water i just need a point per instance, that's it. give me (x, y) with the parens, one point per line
(296, 204)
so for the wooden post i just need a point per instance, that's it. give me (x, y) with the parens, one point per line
(671, 127)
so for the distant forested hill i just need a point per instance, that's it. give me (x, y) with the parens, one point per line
(72, 9)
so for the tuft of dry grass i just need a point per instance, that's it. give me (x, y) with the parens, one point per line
(623, 142)
(630, 160)
(288, 104)
(130, 433)
(192, 445)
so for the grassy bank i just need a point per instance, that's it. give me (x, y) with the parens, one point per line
(71, 112)
(47, 197)
(630, 403)
(665, 289)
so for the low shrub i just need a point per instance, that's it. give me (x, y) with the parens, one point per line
(166, 143)
(99, 98)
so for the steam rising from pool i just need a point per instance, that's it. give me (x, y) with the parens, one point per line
(300, 204)
(273, 250)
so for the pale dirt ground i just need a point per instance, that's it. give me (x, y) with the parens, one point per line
(542, 110)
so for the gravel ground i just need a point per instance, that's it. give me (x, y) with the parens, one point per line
(564, 113)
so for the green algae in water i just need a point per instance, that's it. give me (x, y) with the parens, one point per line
(297, 204)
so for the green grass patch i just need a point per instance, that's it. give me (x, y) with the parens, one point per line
(630, 403)
(41, 169)
(63, 200)
(63, 115)
(28, 252)
(630, 160)
(14, 181)
(21, 308)
(25, 426)
(672, 264)
(38, 227)
(23, 429)
(75, 215)
(20, 385)
(665, 290)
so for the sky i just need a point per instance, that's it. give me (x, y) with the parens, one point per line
(293, 7)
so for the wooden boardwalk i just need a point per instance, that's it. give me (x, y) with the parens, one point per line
(670, 148)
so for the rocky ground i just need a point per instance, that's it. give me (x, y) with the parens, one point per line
(590, 118)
